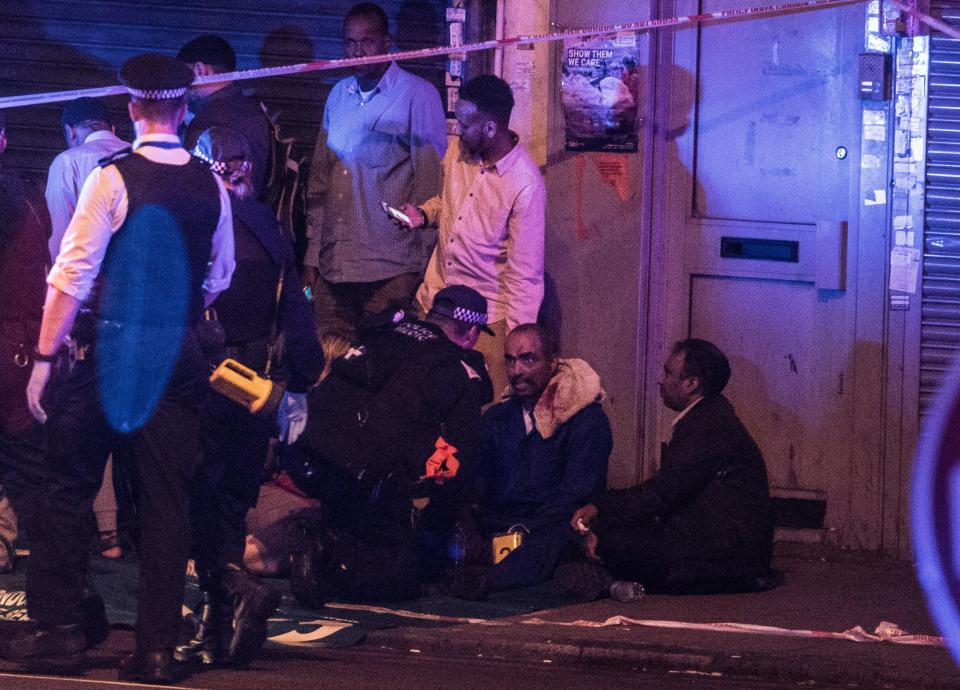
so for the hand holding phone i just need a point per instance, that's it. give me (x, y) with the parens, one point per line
(396, 214)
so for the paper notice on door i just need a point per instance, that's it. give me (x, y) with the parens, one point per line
(904, 269)
(878, 198)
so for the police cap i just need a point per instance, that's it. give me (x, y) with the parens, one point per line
(462, 303)
(155, 77)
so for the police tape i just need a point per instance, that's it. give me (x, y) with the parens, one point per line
(932, 22)
(422, 53)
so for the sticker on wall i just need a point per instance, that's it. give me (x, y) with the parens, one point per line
(904, 269)
(601, 92)
(878, 198)
(613, 171)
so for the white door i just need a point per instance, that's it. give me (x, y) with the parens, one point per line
(759, 236)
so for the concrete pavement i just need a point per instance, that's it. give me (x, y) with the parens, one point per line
(823, 590)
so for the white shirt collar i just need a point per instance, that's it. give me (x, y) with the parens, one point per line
(683, 413)
(173, 138)
(100, 134)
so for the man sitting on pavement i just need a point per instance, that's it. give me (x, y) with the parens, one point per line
(392, 421)
(545, 451)
(703, 523)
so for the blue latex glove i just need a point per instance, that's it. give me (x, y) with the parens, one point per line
(292, 416)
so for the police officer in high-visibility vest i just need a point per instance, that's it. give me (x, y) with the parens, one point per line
(150, 244)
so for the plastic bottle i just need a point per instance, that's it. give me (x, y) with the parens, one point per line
(624, 591)
(457, 549)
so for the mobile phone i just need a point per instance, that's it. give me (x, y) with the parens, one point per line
(394, 213)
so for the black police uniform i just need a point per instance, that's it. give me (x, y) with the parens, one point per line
(373, 423)
(228, 107)
(234, 442)
(165, 448)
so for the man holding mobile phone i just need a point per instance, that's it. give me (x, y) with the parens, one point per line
(490, 215)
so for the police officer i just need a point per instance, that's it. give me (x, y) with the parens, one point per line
(406, 393)
(153, 234)
(263, 304)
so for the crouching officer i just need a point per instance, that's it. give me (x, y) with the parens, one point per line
(153, 233)
(263, 305)
(396, 416)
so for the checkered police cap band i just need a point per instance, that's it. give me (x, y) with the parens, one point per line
(470, 316)
(218, 167)
(157, 94)
(233, 169)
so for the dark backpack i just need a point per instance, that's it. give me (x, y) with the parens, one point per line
(285, 188)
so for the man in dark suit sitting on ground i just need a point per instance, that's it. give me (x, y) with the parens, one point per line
(703, 523)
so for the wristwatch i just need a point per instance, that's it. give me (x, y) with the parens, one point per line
(40, 357)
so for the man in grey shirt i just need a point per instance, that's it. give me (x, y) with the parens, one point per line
(90, 137)
(382, 137)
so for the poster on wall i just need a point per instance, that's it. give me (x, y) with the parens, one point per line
(601, 89)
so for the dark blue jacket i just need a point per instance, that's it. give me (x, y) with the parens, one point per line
(524, 478)
(243, 323)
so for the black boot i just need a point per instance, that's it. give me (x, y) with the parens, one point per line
(253, 604)
(157, 668)
(66, 640)
(210, 644)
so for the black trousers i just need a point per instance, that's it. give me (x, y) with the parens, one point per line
(371, 531)
(23, 442)
(165, 452)
(234, 447)
(636, 553)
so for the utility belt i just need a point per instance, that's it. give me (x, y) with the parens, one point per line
(310, 471)
(87, 329)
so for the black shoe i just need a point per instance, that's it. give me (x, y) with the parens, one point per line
(211, 642)
(581, 580)
(153, 667)
(46, 641)
(472, 582)
(255, 602)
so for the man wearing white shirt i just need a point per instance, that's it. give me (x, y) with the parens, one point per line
(153, 233)
(90, 138)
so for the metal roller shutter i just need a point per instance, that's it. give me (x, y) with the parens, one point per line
(48, 45)
(940, 316)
